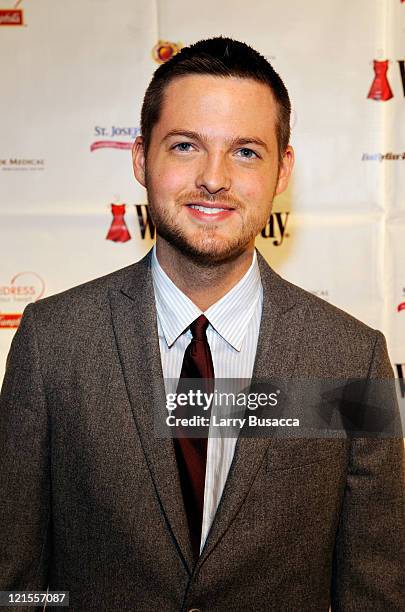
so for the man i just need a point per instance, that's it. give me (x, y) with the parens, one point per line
(93, 502)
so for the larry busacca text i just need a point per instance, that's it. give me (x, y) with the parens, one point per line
(203, 401)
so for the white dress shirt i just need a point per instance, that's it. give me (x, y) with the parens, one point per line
(232, 336)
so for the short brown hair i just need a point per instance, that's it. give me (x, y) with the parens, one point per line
(222, 57)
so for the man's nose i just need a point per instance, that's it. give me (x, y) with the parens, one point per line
(214, 174)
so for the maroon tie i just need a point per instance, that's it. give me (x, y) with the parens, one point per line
(191, 453)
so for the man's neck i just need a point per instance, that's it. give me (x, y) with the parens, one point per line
(203, 285)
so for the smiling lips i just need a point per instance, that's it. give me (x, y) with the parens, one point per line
(210, 211)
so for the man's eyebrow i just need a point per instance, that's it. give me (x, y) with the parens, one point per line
(238, 140)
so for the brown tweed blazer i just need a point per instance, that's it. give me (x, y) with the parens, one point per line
(90, 500)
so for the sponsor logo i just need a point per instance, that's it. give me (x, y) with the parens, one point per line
(118, 231)
(383, 156)
(165, 50)
(22, 164)
(107, 137)
(275, 228)
(380, 89)
(23, 288)
(12, 17)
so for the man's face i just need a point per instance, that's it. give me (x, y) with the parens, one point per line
(212, 168)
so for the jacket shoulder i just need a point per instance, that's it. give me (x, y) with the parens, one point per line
(321, 313)
(337, 343)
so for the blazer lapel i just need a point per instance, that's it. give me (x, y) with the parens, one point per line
(135, 328)
(283, 318)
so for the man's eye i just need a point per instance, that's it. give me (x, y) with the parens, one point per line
(182, 146)
(249, 151)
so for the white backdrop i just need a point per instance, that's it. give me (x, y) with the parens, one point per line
(73, 75)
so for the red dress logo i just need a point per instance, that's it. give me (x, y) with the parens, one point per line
(118, 231)
(380, 88)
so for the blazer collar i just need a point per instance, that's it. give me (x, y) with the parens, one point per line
(278, 293)
(135, 327)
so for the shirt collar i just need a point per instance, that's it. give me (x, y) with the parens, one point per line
(229, 316)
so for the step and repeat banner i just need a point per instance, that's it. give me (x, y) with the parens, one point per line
(73, 76)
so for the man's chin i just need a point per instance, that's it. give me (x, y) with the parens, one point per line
(211, 255)
(207, 252)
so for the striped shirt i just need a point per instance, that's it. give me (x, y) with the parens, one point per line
(232, 336)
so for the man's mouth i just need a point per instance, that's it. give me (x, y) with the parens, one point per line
(210, 210)
(205, 209)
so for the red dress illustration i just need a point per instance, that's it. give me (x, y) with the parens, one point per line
(380, 88)
(118, 231)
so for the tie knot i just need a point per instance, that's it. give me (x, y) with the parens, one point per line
(199, 327)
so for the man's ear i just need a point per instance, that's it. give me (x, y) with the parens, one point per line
(138, 160)
(286, 166)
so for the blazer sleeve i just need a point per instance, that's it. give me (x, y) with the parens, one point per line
(368, 570)
(24, 466)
